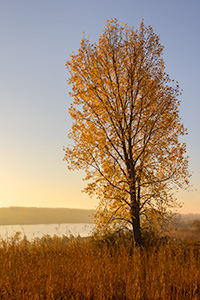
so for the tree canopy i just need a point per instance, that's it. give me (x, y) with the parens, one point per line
(126, 126)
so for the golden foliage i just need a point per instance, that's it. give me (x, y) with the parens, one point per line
(126, 125)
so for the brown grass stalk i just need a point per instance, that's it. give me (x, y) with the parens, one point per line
(61, 268)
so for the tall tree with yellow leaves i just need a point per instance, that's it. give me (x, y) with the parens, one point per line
(126, 126)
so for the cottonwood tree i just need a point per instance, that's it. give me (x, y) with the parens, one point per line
(126, 126)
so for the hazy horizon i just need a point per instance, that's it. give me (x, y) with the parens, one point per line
(43, 215)
(19, 216)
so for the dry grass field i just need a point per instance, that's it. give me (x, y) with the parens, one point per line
(67, 268)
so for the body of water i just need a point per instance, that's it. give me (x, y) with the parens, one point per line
(39, 230)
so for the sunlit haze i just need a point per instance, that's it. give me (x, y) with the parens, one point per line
(37, 38)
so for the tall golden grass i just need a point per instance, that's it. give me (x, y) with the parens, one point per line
(63, 268)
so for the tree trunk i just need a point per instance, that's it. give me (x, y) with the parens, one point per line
(136, 229)
(135, 206)
(135, 217)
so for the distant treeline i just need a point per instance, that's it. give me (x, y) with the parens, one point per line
(33, 215)
(185, 220)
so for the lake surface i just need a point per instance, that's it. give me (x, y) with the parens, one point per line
(39, 230)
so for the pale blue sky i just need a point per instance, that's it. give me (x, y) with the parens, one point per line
(36, 40)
